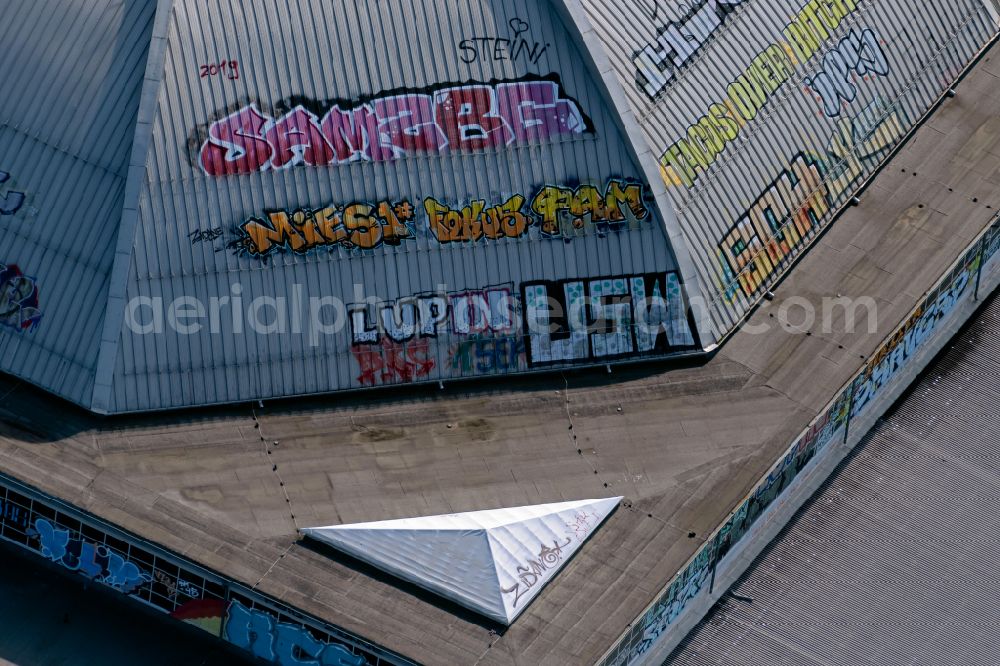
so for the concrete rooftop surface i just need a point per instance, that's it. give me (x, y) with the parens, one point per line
(892, 562)
(229, 487)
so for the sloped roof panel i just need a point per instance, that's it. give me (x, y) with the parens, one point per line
(259, 68)
(67, 118)
(764, 117)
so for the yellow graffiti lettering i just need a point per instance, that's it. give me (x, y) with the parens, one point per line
(776, 224)
(476, 221)
(725, 125)
(630, 195)
(772, 67)
(548, 203)
(263, 236)
(365, 231)
(745, 99)
(395, 231)
(587, 205)
(305, 223)
(329, 225)
(302, 230)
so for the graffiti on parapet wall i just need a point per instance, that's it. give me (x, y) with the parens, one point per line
(261, 634)
(469, 117)
(706, 139)
(860, 54)
(206, 614)
(173, 586)
(603, 319)
(802, 197)
(92, 560)
(896, 353)
(10, 201)
(554, 210)
(689, 583)
(19, 309)
(518, 46)
(356, 226)
(13, 515)
(683, 28)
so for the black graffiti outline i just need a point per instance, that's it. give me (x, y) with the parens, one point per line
(548, 559)
(865, 55)
(442, 326)
(516, 45)
(724, 9)
(12, 201)
(661, 344)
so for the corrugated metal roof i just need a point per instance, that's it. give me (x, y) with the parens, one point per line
(892, 562)
(764, 117)
(269, 61)
(439, 171)
(72, 72)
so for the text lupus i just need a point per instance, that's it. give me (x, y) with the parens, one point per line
(490, 311)
(471, 117)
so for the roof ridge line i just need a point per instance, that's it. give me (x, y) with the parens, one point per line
(114, 313)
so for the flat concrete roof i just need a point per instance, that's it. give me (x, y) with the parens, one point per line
(682, 445)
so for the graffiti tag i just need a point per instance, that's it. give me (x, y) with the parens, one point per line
(858, 54)
(10, 202)
(281, 643)
(513, 48)
(469, 117)
(534, 571)
(689, 25)
(91, 560)
(556, 208)
(357, 226)
(229, 69)
(801, 198)
(683, 162)
(605, 318)
(19, 308)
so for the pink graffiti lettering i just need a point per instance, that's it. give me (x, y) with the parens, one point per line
(463, 118)
(235, 144)
(297, 139)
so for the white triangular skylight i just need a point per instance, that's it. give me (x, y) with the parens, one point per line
(493, 562)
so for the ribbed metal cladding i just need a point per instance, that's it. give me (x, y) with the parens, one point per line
(839, 105)
(321, 54)
(894, 561)
(71, 75)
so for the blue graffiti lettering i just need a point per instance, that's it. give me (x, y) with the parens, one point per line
(11, 202)
(92, 560)
(257, 632)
